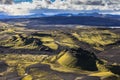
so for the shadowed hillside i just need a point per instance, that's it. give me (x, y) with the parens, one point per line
(78, 58)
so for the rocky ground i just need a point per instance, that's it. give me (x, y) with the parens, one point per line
(58, 52)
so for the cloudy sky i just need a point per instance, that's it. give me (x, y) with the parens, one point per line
(23, 7)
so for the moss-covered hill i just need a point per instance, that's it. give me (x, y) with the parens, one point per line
(95, 50)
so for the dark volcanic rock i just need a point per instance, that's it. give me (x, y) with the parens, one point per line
(90, 78)
(3, 66)
(111, 78)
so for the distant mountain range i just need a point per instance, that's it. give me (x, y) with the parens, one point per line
(65, 20)
(67, 13)
(67, 17)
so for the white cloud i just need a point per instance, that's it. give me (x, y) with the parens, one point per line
(18, 9)
(25, 7)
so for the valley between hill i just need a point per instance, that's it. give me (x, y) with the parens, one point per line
(59, 53)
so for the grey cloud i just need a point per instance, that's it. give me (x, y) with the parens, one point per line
(95, 2)
(6, 1)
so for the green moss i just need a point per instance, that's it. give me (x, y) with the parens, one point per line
(97, 38)
(18, 62)
(46, 39)
(102, 74)
(67, 60)
(53, 59)
(51, 45)
(28, 77)
(101, 66)
(20, 69)
(22, 41)
(83, 60)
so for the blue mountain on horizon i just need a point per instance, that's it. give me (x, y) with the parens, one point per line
(60, 12)
(19, 1)
(67, 17)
